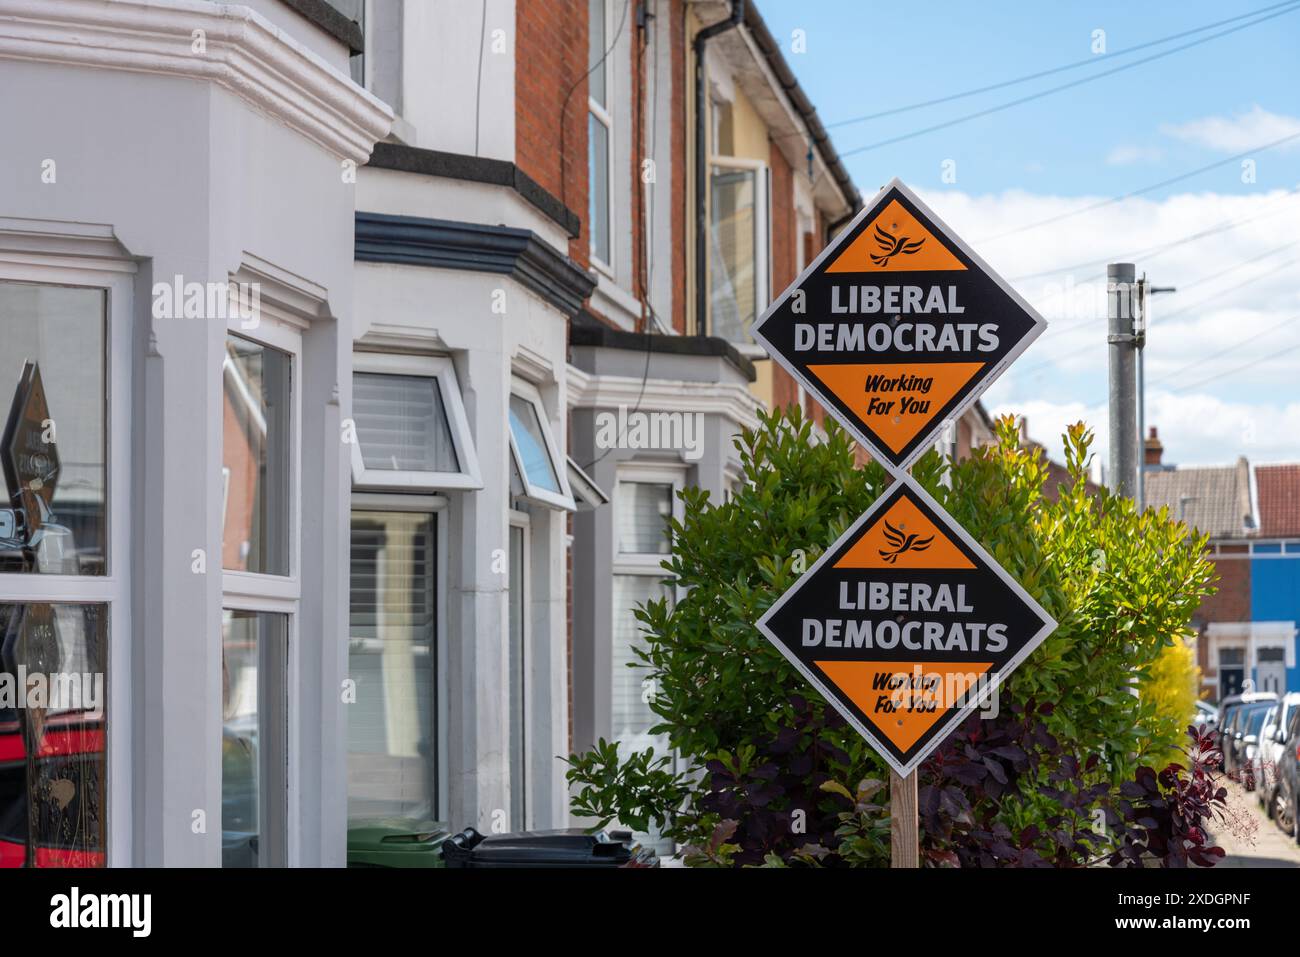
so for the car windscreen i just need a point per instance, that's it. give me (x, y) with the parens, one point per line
(1255, 720)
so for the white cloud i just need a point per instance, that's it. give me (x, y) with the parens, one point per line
(1239, 133)
(1238, 303)
(1127, 155)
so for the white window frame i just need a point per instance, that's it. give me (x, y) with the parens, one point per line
(521, 579)
(443, 371)
(762, 241)
(435, 505)
(279, 594)
(532, 493)
(42, 259)
(606, 119)
(646, 563)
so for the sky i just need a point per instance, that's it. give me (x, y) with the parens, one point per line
(1221, 381)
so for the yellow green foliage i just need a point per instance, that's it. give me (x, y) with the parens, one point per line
(1171, 691)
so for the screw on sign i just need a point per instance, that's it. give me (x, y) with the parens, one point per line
(905, 624)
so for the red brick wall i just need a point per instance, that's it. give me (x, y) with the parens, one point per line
(551, 94)
(1232, 601)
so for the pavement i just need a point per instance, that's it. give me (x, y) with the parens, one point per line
(1249, 838)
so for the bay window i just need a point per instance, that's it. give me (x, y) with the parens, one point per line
(645, 501)
(261, 585)
(739, 236)
(540, 468)
(600, 126)
(412, 442)
(64, 587)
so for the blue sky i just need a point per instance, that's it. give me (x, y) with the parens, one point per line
(910, 52)
(1238, 288)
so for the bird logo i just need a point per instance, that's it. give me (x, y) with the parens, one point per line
(902, 543)
(893, 246)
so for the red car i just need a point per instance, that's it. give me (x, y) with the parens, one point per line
(71, 782)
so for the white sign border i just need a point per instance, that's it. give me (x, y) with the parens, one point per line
(819, 389)
(949, 724)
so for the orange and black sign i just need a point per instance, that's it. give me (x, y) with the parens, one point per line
(905, 624)
(897, 326)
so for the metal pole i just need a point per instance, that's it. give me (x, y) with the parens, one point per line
(1140, 493)
(1145, 292)
(1123, 379)
(904, 827)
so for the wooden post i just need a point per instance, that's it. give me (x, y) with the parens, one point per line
(904, 828)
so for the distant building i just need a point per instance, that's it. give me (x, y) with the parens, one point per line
(1247, 630)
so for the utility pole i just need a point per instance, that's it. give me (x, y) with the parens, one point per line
(1122, 339)
(1144, 290)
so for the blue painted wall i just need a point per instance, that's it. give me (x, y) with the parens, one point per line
(1275, 591)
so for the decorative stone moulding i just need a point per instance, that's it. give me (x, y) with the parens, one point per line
(227, 44)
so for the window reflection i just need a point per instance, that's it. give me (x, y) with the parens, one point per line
(253, 739)
(392, 657)
(52, 733)
(255, 458)
(53, 381)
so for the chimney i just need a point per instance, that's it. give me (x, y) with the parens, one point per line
(1152, 449)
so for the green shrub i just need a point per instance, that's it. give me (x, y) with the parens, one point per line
(766, 756)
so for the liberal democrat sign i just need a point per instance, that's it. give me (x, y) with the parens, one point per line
(905, 623)
(897, 326)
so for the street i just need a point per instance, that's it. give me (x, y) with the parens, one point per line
(1250, 839)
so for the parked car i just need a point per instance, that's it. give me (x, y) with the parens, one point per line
(1205, 716)
(1228, 709)
(1272, 739)
(1245, 738)
(1286, 798)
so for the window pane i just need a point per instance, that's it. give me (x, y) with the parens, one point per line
(255, 454)
(632, 717)
(598, 187)
(644, 509)
(254, 649)
(52, 375)
(401, 423)
(596, 49)
(52, 732)
(518, 724)
(392, 657)
(526, 428)
(733, 277)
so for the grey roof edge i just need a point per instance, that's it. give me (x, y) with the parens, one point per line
(324, 16)
(476, 169)
(771, 51)
(477, 247)
(587, 330)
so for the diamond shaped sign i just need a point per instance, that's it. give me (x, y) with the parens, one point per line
(31, 464)
(897, 326)
(905, 625)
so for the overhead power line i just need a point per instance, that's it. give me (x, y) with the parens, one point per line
(1151, 252)
(1290, 8)
(1092, 207)
(1223, 352)
(1077, 64)
(1241, 368)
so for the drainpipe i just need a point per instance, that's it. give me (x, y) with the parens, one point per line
(701, 166)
